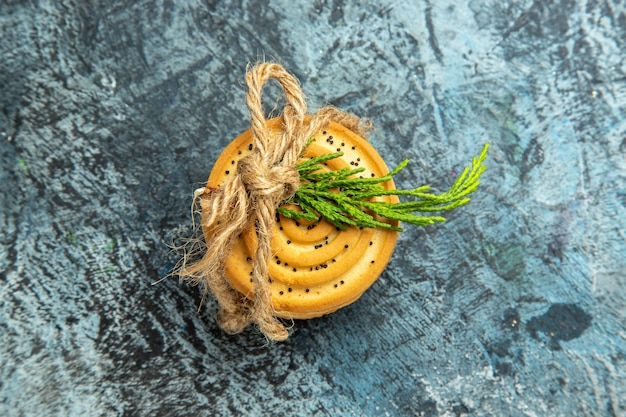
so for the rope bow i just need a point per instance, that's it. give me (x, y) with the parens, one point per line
(263, 180)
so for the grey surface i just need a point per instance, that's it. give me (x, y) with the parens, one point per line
(113, 112)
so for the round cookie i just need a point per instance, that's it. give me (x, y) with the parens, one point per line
(315, 268)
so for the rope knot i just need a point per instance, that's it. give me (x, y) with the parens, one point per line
(277, 182)
(264, 179)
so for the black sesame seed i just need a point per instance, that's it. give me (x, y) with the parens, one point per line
(280, 228)
(289, 289)
(251, 279)
(227, 172)
(373, 175)
(345, 246)
(330, 137)
(336, 285)
(373, 261)
(289, 242)
(232, 162)
(250, 147)
(351, 162)
(371, 243)
(286, 264)
(239, 153)
(294, 270)
(297, 224)
(281, 292)
(278, 262)
(338, 149)
(317, 268)
(358, 159)
(249, 259)
(307, 290)
(353, 148)
(324, 132)
(343, 144)
(341, 282)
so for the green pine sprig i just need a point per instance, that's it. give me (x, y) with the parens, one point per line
(346, 200)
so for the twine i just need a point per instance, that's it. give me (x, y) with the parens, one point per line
(263, 180)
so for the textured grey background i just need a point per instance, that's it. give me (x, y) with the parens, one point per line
(112, 112)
